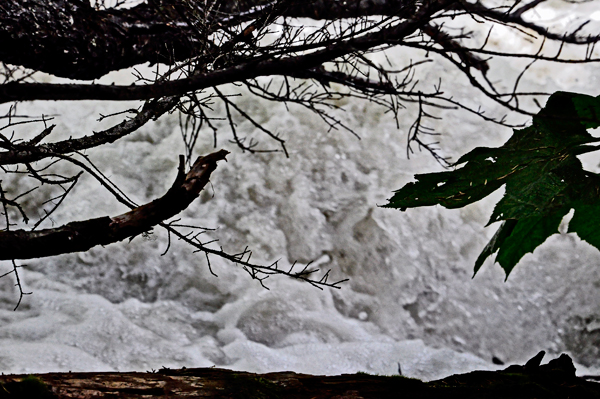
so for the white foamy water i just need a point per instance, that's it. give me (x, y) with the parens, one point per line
(410, 298)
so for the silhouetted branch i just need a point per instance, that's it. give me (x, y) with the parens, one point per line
(31, 152)
(256, 271)
(81, 236)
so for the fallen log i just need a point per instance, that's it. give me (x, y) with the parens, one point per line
(554, 380)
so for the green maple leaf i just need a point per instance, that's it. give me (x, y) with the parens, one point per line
(543, 178)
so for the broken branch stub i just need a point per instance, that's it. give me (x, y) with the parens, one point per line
(83, 235)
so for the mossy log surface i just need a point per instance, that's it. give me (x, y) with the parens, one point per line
(554, 380)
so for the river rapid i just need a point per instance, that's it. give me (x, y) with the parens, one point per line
(410, 299)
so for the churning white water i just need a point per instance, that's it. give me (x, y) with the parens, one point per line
(410, 299)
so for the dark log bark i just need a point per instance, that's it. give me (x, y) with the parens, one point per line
(81, 236)
(555, 380)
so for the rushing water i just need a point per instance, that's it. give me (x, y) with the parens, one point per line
(410, 299)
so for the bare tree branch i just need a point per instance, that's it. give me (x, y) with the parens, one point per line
(71, 39)
(32, 151)
(81, 236)
(249, 69)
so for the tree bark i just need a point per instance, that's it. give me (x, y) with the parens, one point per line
(555, 380)
(69, 38)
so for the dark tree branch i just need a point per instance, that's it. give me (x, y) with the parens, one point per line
(257, 271)
(249, 69)
(81, 236)
(30, 152)
(69, 38)
(451, 45)
(240, 10)
(515, 18)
